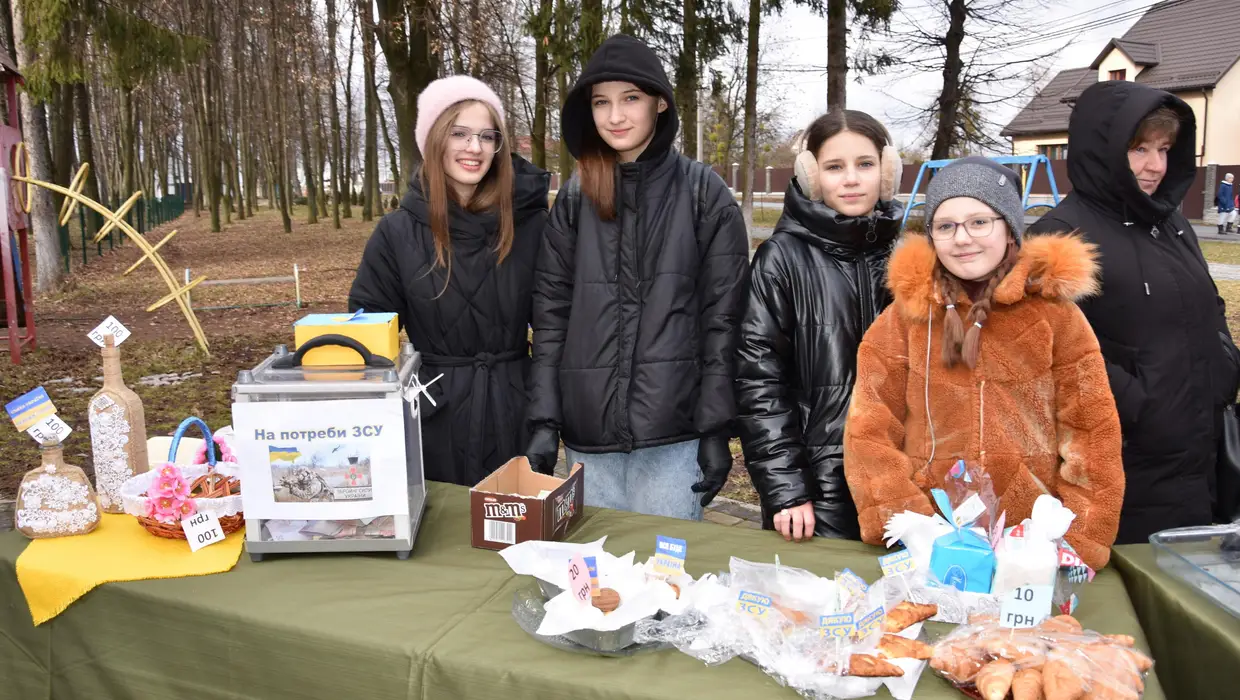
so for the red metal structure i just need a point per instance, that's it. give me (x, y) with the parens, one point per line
(16, 292)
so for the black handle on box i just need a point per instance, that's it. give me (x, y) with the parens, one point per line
(332, 339)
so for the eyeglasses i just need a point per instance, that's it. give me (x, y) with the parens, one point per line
(977, 227)
(488, 139)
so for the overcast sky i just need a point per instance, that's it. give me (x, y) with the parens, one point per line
(798, 38)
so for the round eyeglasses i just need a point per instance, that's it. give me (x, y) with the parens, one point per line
(977, 227)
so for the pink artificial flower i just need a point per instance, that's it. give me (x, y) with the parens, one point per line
(172, 487)
(187, 507)
(169, 470)
(150, 507)
(166, 510)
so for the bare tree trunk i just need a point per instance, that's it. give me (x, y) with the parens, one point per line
(538, 131)
(86, 145)
(49, 267)
(953, 66)
(561, 77)
(687, 81)
(280, 152)
(370, 170)
(307, 158)
(837, 54)
(317, 112)
(348, 125)
(751, 109)
(387, 140)
(63, 152)
(332, 24)
(478, 34)
(412, 65)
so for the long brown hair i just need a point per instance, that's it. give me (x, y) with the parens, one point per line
(598, 166)
(959, 344)
(494, 192)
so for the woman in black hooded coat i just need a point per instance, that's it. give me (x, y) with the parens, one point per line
(1161, 324)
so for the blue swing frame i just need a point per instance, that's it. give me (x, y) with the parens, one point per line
(1031, 162)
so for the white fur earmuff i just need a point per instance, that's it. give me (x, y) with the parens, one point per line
(805, 168)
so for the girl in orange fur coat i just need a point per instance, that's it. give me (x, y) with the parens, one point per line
(1018, 388)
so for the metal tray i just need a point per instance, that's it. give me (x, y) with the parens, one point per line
(527, 608)
(1195, 555)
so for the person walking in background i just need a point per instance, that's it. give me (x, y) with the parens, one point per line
(637, 297)
(456, 263)
(1226, 203)
(1159, 319)
(815, 287)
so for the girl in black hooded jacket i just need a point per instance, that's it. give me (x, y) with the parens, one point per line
(816, 286)
(456, 262)
(637, 295)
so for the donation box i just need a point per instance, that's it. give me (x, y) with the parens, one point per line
(331, 455)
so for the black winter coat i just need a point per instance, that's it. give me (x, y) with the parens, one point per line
(1159, 319)
(635, 319)
(475, 333)
(815, 287)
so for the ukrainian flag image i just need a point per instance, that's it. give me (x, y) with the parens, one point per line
(282, 454)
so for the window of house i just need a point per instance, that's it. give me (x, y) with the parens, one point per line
(1121, 74)
(1057, 151)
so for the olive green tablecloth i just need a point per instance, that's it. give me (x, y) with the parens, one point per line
(1196, 644)
(373, 627)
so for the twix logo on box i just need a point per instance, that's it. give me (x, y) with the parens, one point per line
(510, 511)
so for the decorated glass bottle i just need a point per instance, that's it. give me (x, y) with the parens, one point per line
(117, 431)
(56, 499)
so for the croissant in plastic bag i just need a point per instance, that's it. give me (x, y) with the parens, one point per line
(1056, 660)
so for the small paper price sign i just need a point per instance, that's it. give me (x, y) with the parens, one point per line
(753, 604)
(871, 623)
(50, 430)
(202, 530)
(669, 556)
(112, 327)
(1026, 606)
(897, 564)
(854, 584)
(592, 566)
(579, 579)
(839, 627)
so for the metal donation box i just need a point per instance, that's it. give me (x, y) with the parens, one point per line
(331, 456)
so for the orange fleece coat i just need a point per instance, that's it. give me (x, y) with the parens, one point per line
(1036, 413)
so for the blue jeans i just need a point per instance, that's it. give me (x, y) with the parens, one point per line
(652, 480)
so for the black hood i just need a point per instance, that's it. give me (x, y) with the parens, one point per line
(530, 189)
(1103, 122)
(819, 224)
(620, 58)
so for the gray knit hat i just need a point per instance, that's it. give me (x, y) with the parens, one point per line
(983, 180)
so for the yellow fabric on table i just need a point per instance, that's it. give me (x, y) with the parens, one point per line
(56, 571)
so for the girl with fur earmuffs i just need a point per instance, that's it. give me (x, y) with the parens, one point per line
(815, 286)
(1014, 382)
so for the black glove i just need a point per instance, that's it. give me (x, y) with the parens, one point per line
(544, 450)
(715, 459)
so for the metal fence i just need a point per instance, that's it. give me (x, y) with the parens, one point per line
(78, 234)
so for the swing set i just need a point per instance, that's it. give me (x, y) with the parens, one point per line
(1026, 166)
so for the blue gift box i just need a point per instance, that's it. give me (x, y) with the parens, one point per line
(961, 558)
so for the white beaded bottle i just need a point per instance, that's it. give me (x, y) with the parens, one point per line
(55, 500)
(117, 432)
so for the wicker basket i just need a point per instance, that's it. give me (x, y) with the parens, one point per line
(208, 486)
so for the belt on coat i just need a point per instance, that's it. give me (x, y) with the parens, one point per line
(480, 397)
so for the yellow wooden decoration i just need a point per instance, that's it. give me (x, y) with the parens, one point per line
(114, 220)
(145, 256)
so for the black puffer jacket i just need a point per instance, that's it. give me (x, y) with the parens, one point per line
(635, 320)
(476, 332)
(1159, 319)
(815, 287)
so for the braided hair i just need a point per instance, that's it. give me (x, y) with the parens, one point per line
(958, 343)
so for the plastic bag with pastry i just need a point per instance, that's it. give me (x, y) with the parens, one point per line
(1027, 684)
(907, 614)
(893, 646)
(995, 679)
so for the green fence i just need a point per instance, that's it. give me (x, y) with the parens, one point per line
(77, 236)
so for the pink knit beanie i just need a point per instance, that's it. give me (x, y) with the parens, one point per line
(445, 92)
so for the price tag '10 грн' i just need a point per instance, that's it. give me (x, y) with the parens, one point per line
(1026, 606)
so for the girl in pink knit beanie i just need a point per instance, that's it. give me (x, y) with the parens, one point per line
(456, 262)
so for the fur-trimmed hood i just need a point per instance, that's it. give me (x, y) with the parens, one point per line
(1054, 266)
